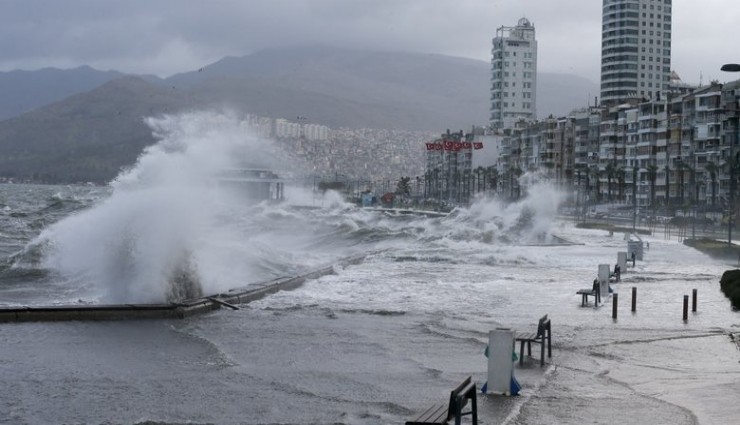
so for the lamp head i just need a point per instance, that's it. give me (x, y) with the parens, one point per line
(731, 67)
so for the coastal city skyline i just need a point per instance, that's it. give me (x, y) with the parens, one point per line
(165, 37)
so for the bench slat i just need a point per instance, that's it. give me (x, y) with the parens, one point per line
(436, 414)
(530, 336)
(441, 413)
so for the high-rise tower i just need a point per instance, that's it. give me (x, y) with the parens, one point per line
(513, 75)
(635, 49)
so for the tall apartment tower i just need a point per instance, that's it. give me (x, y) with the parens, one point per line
(513, 75)
(635, 50)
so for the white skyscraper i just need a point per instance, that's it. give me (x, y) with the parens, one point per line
(635, 49)
(513, 75)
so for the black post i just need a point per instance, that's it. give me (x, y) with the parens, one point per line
(634, 299)
(693, 301)
(685, 308)
(614, 306)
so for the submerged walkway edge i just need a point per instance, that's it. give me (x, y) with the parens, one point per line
(179, 310)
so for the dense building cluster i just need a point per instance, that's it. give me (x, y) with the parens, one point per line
(359, 157)
(672, 151)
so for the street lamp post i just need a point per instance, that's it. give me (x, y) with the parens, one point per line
(731, 67)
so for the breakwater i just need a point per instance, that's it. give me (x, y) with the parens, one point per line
(179, 310)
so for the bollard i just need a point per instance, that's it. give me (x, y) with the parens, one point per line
(614, 305)
(685, 308)
(693, 300)
(634, 299)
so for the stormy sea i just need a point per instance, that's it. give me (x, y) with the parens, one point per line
(371, 343)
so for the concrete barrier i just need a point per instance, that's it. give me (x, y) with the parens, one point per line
(179, 310)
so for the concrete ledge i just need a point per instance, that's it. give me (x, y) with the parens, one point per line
(179, 310)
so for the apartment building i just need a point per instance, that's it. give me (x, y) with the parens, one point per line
(513, 76)
(635, 50)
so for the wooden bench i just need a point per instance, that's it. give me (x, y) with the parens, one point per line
(441, 413)
(544, 332)
(595, 291)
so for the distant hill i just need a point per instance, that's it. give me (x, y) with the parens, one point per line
(353, 88)
(23, 91)
(90, 135)
(86, 137)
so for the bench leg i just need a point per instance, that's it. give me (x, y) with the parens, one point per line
(529, 348)
(521, 353)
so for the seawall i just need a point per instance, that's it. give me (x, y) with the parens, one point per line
(178, 310)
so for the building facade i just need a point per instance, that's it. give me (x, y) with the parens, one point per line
(675, 152)
(635, 50)
(449, 176)
(513, 75)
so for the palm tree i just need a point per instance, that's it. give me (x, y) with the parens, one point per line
(652, 174)
(681, 166)
(493, 178)
(403, 187)
(667, 185)
(427, 181)
(479, 171)
(467, 182)
(620, 173)
(597, 173)
(712, 169)
(609, 176)
(456, 177)
(514, 173)
(518, 172)
(634, 185)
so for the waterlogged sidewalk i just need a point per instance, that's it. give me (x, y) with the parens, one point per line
(641, 376)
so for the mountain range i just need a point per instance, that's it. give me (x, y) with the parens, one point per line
(84, 125)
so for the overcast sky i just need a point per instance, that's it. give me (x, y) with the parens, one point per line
(164, 37)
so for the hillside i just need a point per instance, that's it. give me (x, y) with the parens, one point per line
(24, 91)
(370, 89)
(89, 136)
